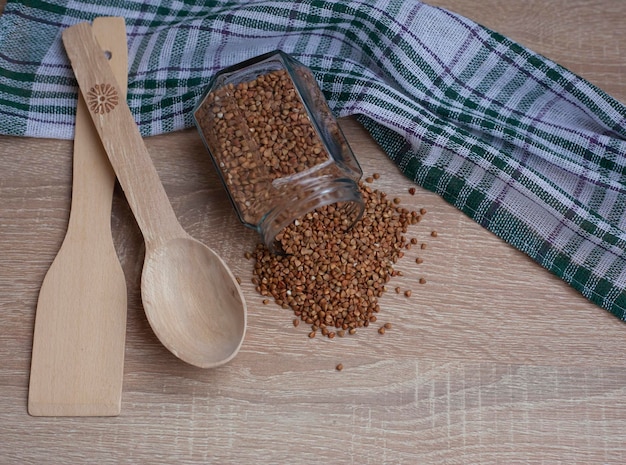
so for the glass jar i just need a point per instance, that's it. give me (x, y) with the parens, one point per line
(276, 146)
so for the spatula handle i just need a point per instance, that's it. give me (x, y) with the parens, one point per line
(77, 361)
(120, 136)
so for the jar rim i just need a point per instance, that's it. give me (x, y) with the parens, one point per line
(322, 192)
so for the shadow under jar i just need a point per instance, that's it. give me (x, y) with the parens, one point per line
(278, 149)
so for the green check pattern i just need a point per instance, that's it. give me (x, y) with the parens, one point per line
(526, 148)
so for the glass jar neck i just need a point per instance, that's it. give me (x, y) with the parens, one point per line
(293, 204)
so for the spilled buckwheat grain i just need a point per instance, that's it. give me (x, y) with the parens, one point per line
(332, 279)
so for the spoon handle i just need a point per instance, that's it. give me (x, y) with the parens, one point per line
(120, 136)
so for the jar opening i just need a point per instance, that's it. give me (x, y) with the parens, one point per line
(342, 194)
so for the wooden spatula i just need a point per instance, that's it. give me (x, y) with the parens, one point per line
(77, 364)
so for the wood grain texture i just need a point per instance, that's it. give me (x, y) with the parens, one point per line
(492, 361)
(77, 362)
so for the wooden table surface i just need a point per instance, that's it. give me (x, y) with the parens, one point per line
(493, 360)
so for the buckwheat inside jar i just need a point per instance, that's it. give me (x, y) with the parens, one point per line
(278, 149)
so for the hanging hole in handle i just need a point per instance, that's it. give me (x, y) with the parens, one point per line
(108, 54)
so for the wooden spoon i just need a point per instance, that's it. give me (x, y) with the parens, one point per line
(191, 298)
(77, 363)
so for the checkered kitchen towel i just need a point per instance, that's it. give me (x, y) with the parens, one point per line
(527, 149)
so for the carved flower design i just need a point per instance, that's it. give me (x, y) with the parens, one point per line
(102, 98)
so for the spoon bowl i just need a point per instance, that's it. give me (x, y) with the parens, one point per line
(191, 299)
(186, 291)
